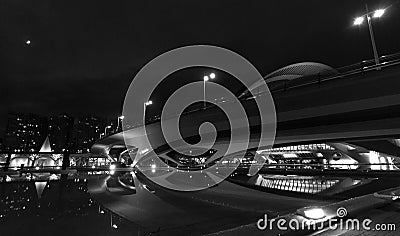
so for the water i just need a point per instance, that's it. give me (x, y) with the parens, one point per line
(56, 207)
(48, 204)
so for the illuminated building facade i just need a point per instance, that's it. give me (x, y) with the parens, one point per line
(25, 132)
(60, 131)
(86, 130)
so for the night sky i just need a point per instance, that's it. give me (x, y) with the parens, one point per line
(83, 55)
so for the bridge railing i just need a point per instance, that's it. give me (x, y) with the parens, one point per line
(339, 73)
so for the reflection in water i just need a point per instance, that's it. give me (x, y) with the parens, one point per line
(56, 207)
(127, 203)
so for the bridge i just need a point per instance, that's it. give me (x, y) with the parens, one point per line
(358, 104)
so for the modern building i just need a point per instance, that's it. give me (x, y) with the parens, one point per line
(25, 132)
(60, 131)
(1, 144)
(86, 130)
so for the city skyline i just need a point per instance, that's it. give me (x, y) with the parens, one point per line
(26, 132)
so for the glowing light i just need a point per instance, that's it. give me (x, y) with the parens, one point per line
(205, 78)
(95, 167)
(144, 151)
(148, 103)
(37, 168)
(122, 117)
(358, 20)
(290, 155)
(315, 213)
(28, 42)
(112, 167)
(53, 177)
(115, 226)
(379, 13)
(153, 166)
(8, 178)
(212, 76)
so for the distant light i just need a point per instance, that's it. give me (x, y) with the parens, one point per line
(112, 167)
(212, 76)
(108, 127)
(148, 103)
(37, 168)
(290, 155)
(315, 213)
(122, 117)
(115, 226)
(144, 151)
(205, 78)
(153, 166)
(28, 42)
(358, 20)
(379, 13)
(93, 167)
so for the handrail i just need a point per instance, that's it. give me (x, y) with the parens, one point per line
(353, 69)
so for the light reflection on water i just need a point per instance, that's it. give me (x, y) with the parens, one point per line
(56, 206)
(49, 204)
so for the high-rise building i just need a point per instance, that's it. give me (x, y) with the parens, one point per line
(1, 144)
(86, 131)
(60, 132)
(25, 132)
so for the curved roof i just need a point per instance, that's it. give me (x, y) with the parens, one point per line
(294, 71)
(299, 70)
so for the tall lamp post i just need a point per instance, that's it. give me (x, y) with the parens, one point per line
(148, 103)
(105, 130)
(359, 20)
(119, 118)
(205, 79)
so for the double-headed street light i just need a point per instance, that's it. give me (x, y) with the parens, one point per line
(205, 79)
(359, 20)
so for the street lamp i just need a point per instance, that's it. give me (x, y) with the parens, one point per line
(205, 79)
(148, 103)
(359, 20)
(119, 118)
(105, 130)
